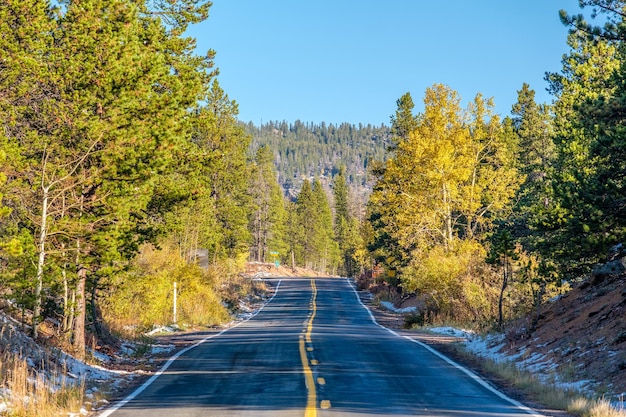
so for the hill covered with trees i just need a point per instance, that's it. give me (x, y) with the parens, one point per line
(308, 150)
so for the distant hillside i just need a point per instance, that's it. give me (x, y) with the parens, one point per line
(307, 150)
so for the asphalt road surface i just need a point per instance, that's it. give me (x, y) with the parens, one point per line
(313, 350)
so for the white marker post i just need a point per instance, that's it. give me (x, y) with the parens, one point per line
(175, 295)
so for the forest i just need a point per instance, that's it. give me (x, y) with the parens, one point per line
(309, 150)
(122, 158)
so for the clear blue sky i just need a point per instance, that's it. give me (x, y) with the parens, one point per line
(350, 60)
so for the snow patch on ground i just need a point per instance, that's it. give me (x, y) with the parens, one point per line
(389, 306)
(451, 331)
(492, 346)
(78, 369)
(162, 329)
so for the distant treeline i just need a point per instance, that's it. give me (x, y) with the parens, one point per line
(306, 150)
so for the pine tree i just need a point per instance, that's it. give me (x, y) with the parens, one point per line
(307, 220)
(107, 101)
(225, 170)
(531, 127)
(326, 248)
(295, 234)
(577, 228)
(532, 122)
(26, 95)
(404, 121)
(343, 223)
(268, 219)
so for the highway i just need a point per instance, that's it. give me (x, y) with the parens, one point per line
(313, 350)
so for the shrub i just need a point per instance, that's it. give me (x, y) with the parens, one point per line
(144, 296)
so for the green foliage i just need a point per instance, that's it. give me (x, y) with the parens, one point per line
(311, 229)
(404, 121)
(502, 253)
(585, 217)
(531, 128)
(308, 150)
(100, 103)
(267, 222)
(346, 227)
(225, 171)
(326, 248)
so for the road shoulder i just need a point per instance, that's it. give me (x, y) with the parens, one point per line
(451, 347)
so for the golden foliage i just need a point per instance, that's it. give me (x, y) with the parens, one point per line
(452, 280)
(144, 296)
(451, 177)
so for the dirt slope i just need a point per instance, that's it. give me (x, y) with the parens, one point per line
(584, 332)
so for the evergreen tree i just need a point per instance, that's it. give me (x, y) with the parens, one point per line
(532, 126)
(601, 210)
(108, 101)
(345, 232)
(404, 121)
(268, 219)
(532, 122)
(26, 95)
(578, 226)
(307, 220)
(326, 248)
(295, 234)
(226, 171)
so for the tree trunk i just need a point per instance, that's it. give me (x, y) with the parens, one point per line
(97, 328)
(81, 314)
(538, 297)
(66, 303)
(448, 216)
(41, 247)
(505, 279)
(80, 306)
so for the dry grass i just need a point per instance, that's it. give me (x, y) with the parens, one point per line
(550, 395)
(30, 393)
(594, 408)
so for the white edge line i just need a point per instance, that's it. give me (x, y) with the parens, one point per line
(167, 364)
(471, 374)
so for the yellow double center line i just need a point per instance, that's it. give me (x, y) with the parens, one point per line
(311, 403)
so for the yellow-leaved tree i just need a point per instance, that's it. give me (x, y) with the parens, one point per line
(450, 178)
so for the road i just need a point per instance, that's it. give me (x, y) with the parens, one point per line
(313, 350)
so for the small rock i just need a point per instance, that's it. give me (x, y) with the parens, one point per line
(612, 268)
